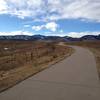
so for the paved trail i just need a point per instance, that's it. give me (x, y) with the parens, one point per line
(74, 78)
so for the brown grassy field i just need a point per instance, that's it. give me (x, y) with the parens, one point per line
(94, 46)
(21, 59)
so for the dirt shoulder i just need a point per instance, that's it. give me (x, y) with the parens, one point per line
(96, 53)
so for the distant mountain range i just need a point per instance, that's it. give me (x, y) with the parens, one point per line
(50, 38)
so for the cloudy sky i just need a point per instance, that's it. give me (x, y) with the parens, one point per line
(50, 17)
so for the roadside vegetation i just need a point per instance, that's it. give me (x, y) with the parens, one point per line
(94, 46)
(22, 59)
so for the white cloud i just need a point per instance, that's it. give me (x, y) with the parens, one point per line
(71, 34)
(21, 9)
(80, 34)
(26, 26)
(3, 7)
(52, 9)
(15, 33)
(61, 31)
(37, 28)
(83, 9)
(52, 26)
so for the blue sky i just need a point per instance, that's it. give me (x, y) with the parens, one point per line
(50, 17)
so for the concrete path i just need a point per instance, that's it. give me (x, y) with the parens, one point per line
(74, 78)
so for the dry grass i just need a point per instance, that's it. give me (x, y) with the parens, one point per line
(23, 59)
(94, 46)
